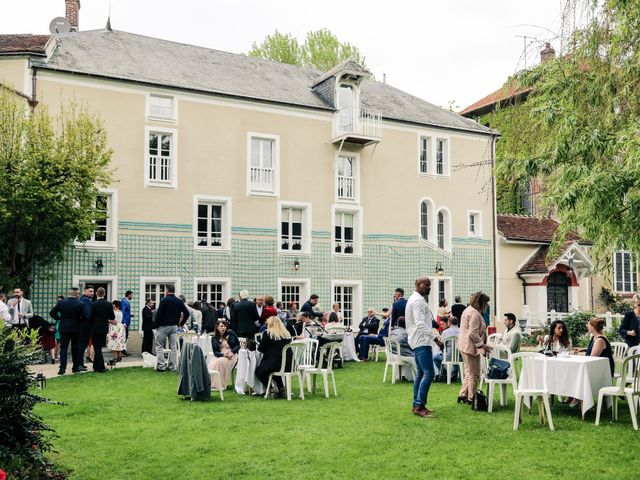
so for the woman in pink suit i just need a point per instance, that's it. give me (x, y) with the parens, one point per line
(472, 342)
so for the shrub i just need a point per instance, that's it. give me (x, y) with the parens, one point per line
(577, 326)
(615, 303)
(24, 437)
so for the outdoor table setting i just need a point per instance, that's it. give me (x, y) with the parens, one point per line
(349, 347)
(248, 360)
(575, 376)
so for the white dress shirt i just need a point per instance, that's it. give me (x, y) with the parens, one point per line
(419, 322)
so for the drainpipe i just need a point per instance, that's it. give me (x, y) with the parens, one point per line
(494, 218)
(524, 287)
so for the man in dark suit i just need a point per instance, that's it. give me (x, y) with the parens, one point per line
(69, 312)
(101, 313)
(368, 325)
(398, 307)
(85, 325)
(244, 316)
(630, 326)
(171, 312)
(309, 307)
(147, 326)
(457, 308)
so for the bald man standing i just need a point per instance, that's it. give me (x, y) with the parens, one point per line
(419, 318)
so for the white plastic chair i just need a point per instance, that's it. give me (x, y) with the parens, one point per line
(327, 351)
(632, 351)
(619, 350)
(338, 331)
(539, 389)
(494, 339)
(450, 351)
(632, 394)
(295, 352)
(502, 353)
(216, 373)
(394, 359)
(308, 358)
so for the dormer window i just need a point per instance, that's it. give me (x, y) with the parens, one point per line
(346, 107)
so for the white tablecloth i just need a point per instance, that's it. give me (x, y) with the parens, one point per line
(246, 371)
(350, 348)
(573, 376)
(204, 342)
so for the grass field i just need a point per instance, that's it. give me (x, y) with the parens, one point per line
(130, 424)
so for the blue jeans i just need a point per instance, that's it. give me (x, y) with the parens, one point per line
(366, 341)
(437, 363)
(424, 375)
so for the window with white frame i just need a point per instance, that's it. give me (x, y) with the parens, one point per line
(104, 234)
(344, 235)
(161, 107)
(346, 181)
(103, 207)
(290, 292)
(155, 291)
(344, 296)
(475, 224)
(212, 225)
(442, 161)
(263, 164)
(626, 277)
(295, 228)
(425, 221)
(161, 158)
(443, 230)
(425, 155)
(210, 292)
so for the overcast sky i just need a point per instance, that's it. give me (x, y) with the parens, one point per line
(440, 51)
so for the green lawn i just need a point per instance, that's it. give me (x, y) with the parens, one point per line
(130, 424)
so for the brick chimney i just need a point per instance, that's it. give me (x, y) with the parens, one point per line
(72, 12)
(547, 53)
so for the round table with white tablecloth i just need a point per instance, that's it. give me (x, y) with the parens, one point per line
(350, 348)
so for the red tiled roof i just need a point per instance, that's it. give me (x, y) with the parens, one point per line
(506, 92)
(523, 228)
(537, 263)
(23, 43)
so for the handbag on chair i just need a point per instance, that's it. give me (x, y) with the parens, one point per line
(498, 369)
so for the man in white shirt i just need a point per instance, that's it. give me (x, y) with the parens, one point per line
(20, 309)
(419, 320)
(512, 338)
(4, 310)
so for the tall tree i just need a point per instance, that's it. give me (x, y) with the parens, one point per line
(321, 50)
(278, 47)
(585, 112)
(52, 171)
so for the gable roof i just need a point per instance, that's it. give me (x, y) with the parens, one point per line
(530, 229)
(509, 91)
(136, 58)
(23, 44)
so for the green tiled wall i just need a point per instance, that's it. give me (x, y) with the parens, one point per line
(387, 261)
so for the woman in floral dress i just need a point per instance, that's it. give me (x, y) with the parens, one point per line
(116, 341)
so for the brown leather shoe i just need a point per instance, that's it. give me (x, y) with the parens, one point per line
(424, 413)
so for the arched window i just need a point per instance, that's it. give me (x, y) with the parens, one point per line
(425, 223)
(441, 229)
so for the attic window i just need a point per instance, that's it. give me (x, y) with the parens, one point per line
(162, 107)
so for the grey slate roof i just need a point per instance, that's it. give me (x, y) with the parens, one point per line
(131, 57)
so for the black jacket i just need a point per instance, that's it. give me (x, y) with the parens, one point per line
(87, 303)
(209, 319)
(69, 312)
(147, 319)
(169, 311)
(244, 318)
(271, 353)
(232, 340)
(456, 311)
(630, 323)
(369, 325)
(101, 313)
(307, 307)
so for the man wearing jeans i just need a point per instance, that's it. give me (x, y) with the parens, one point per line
(167, 320)
(419, 320)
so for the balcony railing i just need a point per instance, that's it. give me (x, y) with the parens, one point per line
(346, 188)
(262, 179)
(363, 122)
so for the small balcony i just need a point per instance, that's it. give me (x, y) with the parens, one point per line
(362, 126)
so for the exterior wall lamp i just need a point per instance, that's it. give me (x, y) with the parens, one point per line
(99, 265)
(296, 265)
(439, 269)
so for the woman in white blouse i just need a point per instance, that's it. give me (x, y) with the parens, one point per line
(558, 340)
